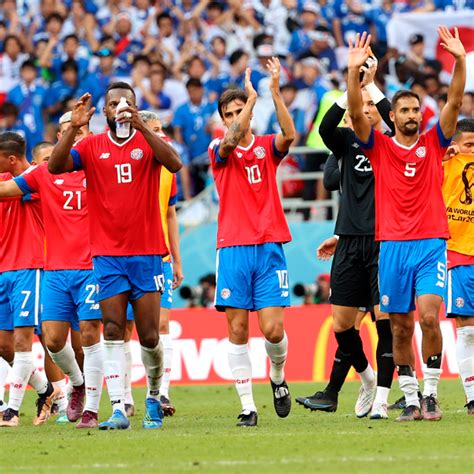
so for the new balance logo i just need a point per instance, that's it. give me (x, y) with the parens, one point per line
(104, 156)
(284, 294)
(24, 314)
(59, 181)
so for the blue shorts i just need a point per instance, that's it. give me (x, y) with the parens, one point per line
(20, 298)
(252, 277)
(69, 296)
(460, 300)
(408, 269)
(138, 274)
(167, 298)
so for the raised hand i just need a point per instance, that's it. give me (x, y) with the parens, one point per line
(326, 250)
(274, 68)
(371, 70)
(81, 113)
(359, 51)
(251, 92)
(451, 43)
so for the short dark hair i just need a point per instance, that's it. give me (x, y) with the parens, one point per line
(464, 126)
(164, 15)
(39, 146)
(54, 16)
(210, 279)
(402, 95)
(141, 57)
(193, 82)
(68, 65)
(12, 143)
(11, 37)
(28, 63)
(119, 85)
(71, 36)
(229, 96)
(9, 108)
(236, 55)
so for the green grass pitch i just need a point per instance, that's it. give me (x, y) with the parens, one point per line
(202, 438)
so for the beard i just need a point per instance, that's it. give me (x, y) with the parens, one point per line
(112, 124)
(410, 128)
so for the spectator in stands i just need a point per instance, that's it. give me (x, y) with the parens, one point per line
(429, 107)
(10, 122)
(153, 96)
(239, 62)
(348, 22)
(300, 37)
(467, 106)
(192, 128)
(52, 30)
(415, 58)
(29, 96)
(11, 59)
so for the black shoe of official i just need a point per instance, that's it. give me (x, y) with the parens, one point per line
(401, 403)
(281, 399)
(248, 418)
(321, 401)
(470, 407)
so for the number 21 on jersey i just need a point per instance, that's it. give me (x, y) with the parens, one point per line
(69, 203)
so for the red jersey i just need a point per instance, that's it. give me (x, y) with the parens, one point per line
(250, 210)
(122, 187)
(66, 222)
(21, 232)
(409, 203)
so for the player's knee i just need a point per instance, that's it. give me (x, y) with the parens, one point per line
(113, 331)
(274, 332)
(429, 321)
(402, 332)
(238, 333)
(150, 339)
(90, 336)
(54, 343)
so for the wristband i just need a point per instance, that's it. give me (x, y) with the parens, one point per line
(342, 101)
(374, 92)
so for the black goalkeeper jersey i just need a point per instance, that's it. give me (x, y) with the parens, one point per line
(357, 207)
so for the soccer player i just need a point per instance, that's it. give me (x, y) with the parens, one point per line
(411, 219)
(126, 235)
(172, 268)
(21, 264)
(458, 195)
(354, 274)
(41, 152)
(251, 266)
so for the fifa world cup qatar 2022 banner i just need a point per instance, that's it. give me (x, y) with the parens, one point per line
(200, 339)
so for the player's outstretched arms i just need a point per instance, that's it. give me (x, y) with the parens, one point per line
(359, 52)
(284, 139)
(164, 152)
(9, 189)
(61, 160)
(449, 115)
(241, 124)
(326, 250)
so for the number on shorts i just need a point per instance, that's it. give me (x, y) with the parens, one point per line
(69, 195)
(90, 296)
(159, 282)
(124, 173)
(441, 275)
(410, 170)
(283, 278)
(27, 297)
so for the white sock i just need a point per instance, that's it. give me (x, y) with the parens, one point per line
(431, 380)
(152, 359)
(114, 370)
(4, 371)
(368, 377)
(241, 368)
(61, 399)
(465, 358)
(93, 376)
(22, 368)
(277, 354)
(128, 373)
(65, 359)
(409, 386)
(38, 381)
(381, 396)
(167, 360)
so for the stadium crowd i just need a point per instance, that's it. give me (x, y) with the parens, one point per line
(180, 55)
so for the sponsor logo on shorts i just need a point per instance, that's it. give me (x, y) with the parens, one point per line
(225, 293)
(284, 294)
(385, 300)
(136, 154)
(260, 152)
(420, 152)
(459, 302)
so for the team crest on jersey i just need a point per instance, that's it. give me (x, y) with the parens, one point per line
(136, 154)
(385, 300)
(239, 155)
(260, 152)
(104, 156)
(420, 152)
(459, 302)
(225, 293)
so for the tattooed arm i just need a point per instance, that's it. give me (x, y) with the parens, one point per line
(284, 139)
(241, 125)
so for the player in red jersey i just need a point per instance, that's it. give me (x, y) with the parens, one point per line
(251, 266)
(126, 235)
(21, 263)
(411, 219)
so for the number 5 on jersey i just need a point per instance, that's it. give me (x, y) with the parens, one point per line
(410, 170)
